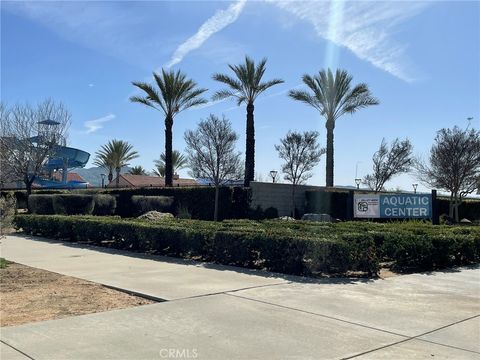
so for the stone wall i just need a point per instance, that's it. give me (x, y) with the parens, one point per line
(279, 196)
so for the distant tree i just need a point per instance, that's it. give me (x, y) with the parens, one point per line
(211, 153)
(245, 87)
(301, 154)
(137, 170)
(114, 155)
(389, 162)
(453, 165)
(174, 93)
(29, 135)
(333, 97)
(179, 161)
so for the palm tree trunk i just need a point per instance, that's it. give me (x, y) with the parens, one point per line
(250, 146)
(110, 175)
(168, 151)
(330, 125)
(117, 180)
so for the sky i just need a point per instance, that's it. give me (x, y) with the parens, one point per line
(420, 59)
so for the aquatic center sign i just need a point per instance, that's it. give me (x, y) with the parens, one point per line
(396, 206)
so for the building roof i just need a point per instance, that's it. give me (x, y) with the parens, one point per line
(71, 176)
(150, 181)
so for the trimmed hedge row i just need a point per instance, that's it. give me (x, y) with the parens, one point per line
(247, 244)
(299, 247)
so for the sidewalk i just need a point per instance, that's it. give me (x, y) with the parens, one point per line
(219, 312)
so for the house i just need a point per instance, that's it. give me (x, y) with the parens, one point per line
(139, 181)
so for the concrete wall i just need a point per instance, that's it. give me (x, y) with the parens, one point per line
(279, 196)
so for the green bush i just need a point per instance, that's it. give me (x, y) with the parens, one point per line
(73, 204)
(242, 243)
(104, 204)
(8, 209)
(143, 204)
(40, 204)
(270, 213)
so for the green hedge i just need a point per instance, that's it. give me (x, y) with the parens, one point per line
(104, 204)
(73, 204)
(40, 204)
(143, 204)
(241, 243)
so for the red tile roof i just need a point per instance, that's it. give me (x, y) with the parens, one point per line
(71, 176)
(150, 181)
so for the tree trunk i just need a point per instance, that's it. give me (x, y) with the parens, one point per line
(215, 213)
(250, 146)
(330, 125)
(168, 151)
(28, 185)
(450, 206)
(110, 175)
(117, 180)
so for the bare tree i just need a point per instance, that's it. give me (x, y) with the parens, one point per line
(301, 153)
(211, 153)
(453, 165)
(389, 162)
(29, 136)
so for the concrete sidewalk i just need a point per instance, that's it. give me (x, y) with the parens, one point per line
(217, 312)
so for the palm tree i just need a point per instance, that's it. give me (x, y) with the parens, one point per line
(115, 154)
(175, 93)
(179, 161)
(245, 87)
(105, 160)
(333, 97)
(138, 170)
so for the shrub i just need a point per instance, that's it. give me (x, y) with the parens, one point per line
(73, 204)
(270, 213)
(40, 204)
(104, 204)
(144, 204)
(8, 207)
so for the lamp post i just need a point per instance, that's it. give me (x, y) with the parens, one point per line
(358, 181)
(273, 174)
(414, 188)
(103, 180)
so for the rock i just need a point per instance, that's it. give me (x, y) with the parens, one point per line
(465, 221)
(156, 216)
(286, 218)
(318, 217)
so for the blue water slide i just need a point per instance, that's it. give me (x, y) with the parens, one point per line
(64, 158)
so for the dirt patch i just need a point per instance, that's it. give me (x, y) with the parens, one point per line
(28, 294)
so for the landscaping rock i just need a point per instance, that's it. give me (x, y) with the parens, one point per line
(156, 216)
(318, 217)
(286, 218)
(465, 221)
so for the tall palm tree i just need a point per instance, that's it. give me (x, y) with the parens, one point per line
(245, 87)
(333, 97)
(105, 160)
(118, 153)
(174, 93)
(137, 170)
(179, 161)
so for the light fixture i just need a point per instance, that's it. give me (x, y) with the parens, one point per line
(103, 180)
(414, 188)
(358, 182)
(273, 174)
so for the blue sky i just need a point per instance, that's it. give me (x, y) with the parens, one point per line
(420, 59)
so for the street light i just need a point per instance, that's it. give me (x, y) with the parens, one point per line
(273, 174)
(103, 180)
(358, 181)
(414, 188)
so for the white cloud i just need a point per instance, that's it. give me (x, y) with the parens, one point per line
(214, 24)
(97, 124)
(91, 85)
(363, 27)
